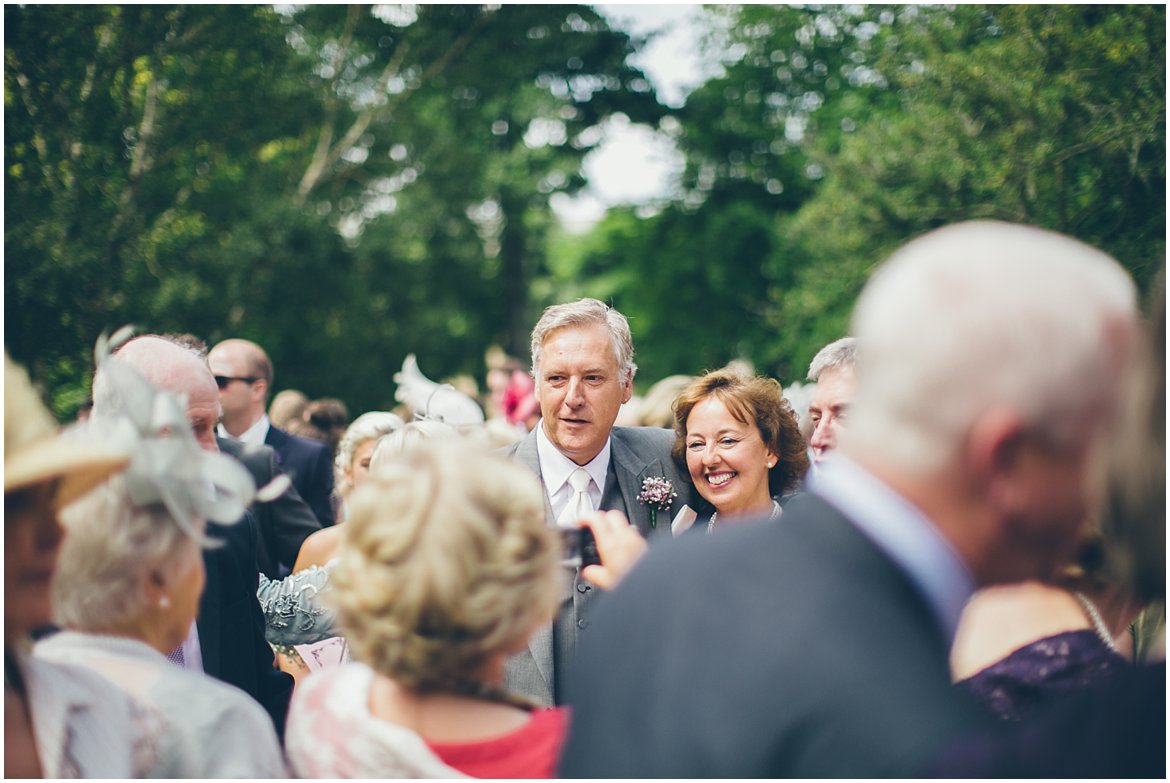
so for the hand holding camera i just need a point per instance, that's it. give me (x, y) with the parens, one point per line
(606, 546)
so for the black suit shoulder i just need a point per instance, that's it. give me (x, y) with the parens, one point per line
(309, 464)
(283, 523)
(231, 624)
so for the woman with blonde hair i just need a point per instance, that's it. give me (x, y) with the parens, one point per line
(446, 570)
(350, 466)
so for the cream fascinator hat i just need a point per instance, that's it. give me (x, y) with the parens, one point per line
(35, 451)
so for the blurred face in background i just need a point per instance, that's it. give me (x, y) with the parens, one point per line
(580, 389)
(32, 537)
(829, 408)
(359, 468)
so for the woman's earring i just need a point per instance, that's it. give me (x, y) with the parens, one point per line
(164, 602)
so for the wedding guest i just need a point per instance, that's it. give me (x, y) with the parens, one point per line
(327, 418)
(287, 407)
(228, 638)
(817, 646)
(657, 409)
(243, 372)
(129, 582)
(1019, 646)
(350, 467)
(583, 363)
(740, 442)
(323, 553)
(832, 372)
(447, 568)
(59, 720)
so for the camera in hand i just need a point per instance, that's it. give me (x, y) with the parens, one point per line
(580, 547)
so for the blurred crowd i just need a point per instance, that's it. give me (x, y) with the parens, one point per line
(941, 553)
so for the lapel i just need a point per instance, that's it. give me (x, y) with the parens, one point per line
(629, 468)
(207, 624)
(276, 439)
(540, 644)
(527, 454)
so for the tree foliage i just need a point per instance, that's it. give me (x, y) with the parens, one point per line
(344, 185)
(836, 133)
(349, 184)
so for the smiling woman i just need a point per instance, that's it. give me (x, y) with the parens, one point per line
(741, 444)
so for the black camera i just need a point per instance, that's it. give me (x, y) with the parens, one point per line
(580, 547)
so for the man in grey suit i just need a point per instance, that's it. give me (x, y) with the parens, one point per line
(583, 363)
(991, 357)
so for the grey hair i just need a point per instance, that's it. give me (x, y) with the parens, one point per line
(368, 426)
(110, 547)
(587, 312)
(986, 314)
(837, 355)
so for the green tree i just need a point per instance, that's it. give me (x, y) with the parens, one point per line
(1049, 116)
(342, 184)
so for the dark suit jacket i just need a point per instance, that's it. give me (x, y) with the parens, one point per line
(636, 453)
(231, 625)
(786, 649)
(310, 466)
(285, 523)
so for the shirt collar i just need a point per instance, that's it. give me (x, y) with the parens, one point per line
(900, 530)
(254, 435)
(555, 467)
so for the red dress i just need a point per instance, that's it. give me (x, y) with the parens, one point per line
(529, 752)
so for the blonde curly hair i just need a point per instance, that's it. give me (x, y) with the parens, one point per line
(447, 562)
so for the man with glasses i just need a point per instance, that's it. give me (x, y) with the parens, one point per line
(243, 373)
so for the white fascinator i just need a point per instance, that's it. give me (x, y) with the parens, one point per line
(430, 400)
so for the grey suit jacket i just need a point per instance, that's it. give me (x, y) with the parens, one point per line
(794, 649)
(636, 453)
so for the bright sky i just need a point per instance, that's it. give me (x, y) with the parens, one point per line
(636, 164)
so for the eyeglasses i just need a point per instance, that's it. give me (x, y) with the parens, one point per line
(222, 381)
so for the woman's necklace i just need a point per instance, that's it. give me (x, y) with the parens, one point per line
(775, 513)
(1095, 618)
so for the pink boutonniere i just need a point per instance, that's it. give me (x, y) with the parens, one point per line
(657, 492)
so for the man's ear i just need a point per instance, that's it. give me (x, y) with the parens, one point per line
(628, 389)
(994, 451)
(260, 389)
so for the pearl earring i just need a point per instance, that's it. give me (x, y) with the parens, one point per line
(164, 602)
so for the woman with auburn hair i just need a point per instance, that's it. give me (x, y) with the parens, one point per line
(446, 570)
(741, 443)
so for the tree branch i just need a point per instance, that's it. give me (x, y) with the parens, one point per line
(326, 156)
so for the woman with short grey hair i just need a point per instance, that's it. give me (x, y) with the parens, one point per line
(128, 583)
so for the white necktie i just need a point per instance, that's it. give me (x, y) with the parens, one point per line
(579, 503)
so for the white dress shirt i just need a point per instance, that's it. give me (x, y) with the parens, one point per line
(555, 468)
(254, 435)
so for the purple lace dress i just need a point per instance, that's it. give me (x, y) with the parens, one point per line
(1031, 675)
